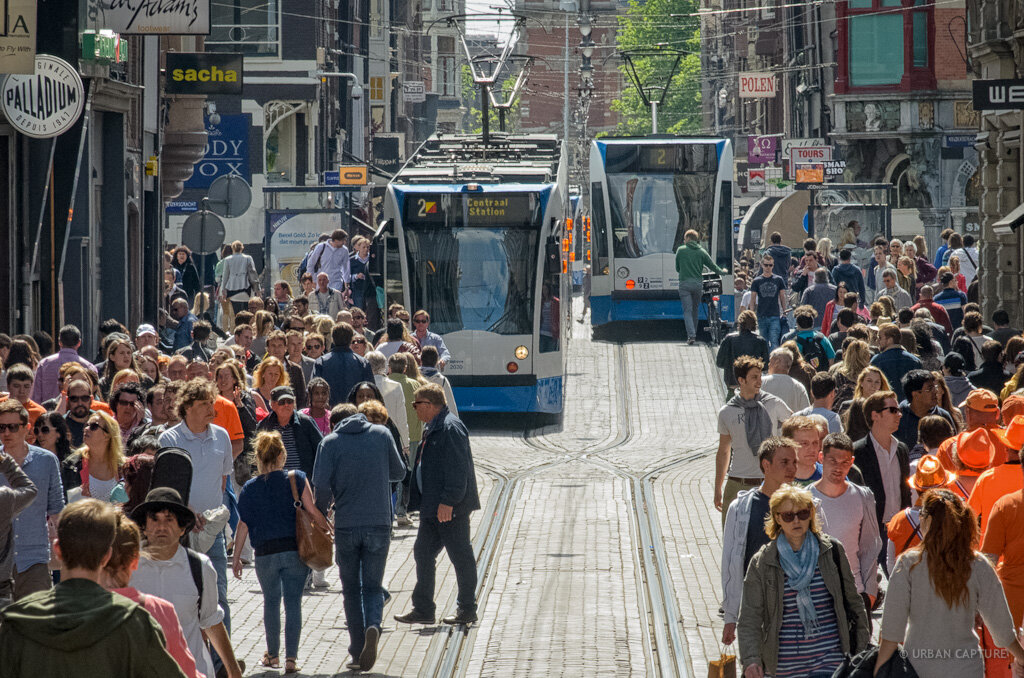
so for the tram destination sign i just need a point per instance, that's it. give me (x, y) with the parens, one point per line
(492, 210)
(991, 95)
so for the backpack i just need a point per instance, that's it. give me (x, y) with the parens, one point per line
(195, 567)
(813, 351)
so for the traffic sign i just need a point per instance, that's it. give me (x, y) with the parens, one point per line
(230, 196)
(203, 232)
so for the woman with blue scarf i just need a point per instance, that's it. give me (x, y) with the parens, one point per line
(801, 611)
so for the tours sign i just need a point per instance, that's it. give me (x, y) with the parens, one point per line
(17, 36)
(155, 17)
(46, 103)
(204, 73)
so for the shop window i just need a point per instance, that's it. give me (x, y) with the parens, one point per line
(885, 45)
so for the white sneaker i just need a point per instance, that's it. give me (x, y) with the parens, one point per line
(320, 579)
(404, 521)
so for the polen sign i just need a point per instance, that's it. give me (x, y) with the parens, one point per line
(757, 85)
(46, 103)
(156, 17)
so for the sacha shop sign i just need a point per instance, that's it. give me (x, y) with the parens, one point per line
(757, 85)
(203, 73)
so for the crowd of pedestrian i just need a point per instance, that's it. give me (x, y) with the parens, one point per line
(132, 485)
(872, 461)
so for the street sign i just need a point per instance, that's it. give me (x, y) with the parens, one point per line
(959, 140)
(18, 36)
(992, 95)
(230, 196)
(810, 173)
(834, 168)
(414, 92)
(757, 85)
(156, 18)
(203, 232)
(46, 103)
(203, 73)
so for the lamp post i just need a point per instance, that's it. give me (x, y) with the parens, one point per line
(358, 126)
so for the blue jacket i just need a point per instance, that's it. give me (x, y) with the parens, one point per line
(443, 471)
(342, 369)
(895, 363)
(851, 275)
(355, 467)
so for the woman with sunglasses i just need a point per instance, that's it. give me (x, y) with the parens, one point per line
(358, 345)
(935, 607)
(52, 433)
(801, 611)
(96, 466)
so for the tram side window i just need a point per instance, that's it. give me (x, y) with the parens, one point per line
(723, 249)
(393, 287)
(550, 306)
(599, 237)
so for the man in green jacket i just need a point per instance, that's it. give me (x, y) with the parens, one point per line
(78, 628)
(691, 259)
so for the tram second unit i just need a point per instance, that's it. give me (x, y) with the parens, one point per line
(645, 193)
(483, 260)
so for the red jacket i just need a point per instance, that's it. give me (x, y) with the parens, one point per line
(939, 313)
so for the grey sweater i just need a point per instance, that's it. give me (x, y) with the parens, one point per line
(13, 500)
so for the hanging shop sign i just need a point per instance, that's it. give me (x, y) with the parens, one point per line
(204, 73)
(156, 17)
(414, 92)
(46, 103)
(990, 95)
(757, 85)
(227, 151)
(761, 150)
(17, 36)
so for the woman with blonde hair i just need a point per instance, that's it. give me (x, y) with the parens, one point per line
(263, 324)
(954, 268)
(266, 509)
(825, 252)
(324, 326)
(801, 612)
(269, 374)
(937, 591)
(120, 355)
(856, 357)
(96, 466)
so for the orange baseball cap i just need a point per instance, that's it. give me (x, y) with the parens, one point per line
(930, 475)
(974, 450)
(1013, 436)
(982, 400)
(1012, 406)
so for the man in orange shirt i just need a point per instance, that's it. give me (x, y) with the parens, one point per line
(981, 410)
(19, 382)
(1000, 481)
(226, 416)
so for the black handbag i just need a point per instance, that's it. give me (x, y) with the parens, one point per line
(862, 665)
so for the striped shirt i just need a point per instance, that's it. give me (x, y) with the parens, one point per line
(819, 653)
(288, 438)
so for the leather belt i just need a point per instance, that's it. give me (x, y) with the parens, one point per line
(749, 482)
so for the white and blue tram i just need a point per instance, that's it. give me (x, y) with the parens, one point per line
(476, 240)
(645, 193)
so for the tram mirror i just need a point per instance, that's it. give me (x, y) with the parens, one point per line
(552, 257)
(385, 225)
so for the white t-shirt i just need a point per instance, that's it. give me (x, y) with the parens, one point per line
(843, 516)
(211, 462)
(172, 581)
(743, 463)
(786, 388)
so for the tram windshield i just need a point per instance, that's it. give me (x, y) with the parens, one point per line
(473, 260)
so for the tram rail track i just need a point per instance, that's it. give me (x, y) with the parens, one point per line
(665, 647)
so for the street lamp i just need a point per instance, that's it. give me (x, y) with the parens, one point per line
(358, 127)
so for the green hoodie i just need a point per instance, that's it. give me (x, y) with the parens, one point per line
(80, 629)
(691, 259)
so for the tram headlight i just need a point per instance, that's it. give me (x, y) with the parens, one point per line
(512, 367)
(522, 353)
(622, 272)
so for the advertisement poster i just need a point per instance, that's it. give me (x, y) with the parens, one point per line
(18, 36)
(755, 180)
(227, 151)
(290, 238)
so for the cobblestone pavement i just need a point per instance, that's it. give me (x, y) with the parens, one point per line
(572, 570)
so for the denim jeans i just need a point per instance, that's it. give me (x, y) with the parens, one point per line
(453, 537)
(690, 292)
(218, 556)
(362, 554)
(282, 573)
(771, 330)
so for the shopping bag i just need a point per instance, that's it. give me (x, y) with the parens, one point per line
(723, 667)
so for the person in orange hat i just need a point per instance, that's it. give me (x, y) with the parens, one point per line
(972, 452)
(1004, 537)
(996, 483)
(904, 528)
(1012, 406)
(981, 410)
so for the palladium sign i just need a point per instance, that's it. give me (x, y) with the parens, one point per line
(46, 103)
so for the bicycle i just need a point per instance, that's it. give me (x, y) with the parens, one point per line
(710, 299)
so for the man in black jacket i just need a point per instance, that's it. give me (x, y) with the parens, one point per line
(298, 431)
(745, 341)
(990, 373)
(443, 490)
(884, 461)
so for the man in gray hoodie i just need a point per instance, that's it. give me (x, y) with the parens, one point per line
(354, 469)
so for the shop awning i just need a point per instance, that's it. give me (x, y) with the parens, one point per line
(1010, 222)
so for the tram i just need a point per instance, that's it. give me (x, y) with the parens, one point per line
(476, 240)
(645, 193)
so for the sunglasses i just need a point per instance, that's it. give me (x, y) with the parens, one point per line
(80, 399)
(419, 402)
(317, 345)
(359, 341)
(42, 429)
(13, 428)
(788, 516)
(891, 410)
(95, 426)
(420, 321)
(129, 403)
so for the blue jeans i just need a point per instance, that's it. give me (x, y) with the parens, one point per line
(362, 553)
(282, 573)
(690, 292)
(218, 556)
(770, 327)
(232, 503)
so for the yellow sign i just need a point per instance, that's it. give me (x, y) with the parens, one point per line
(352, 175)
(810, 173)
(488, 207)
